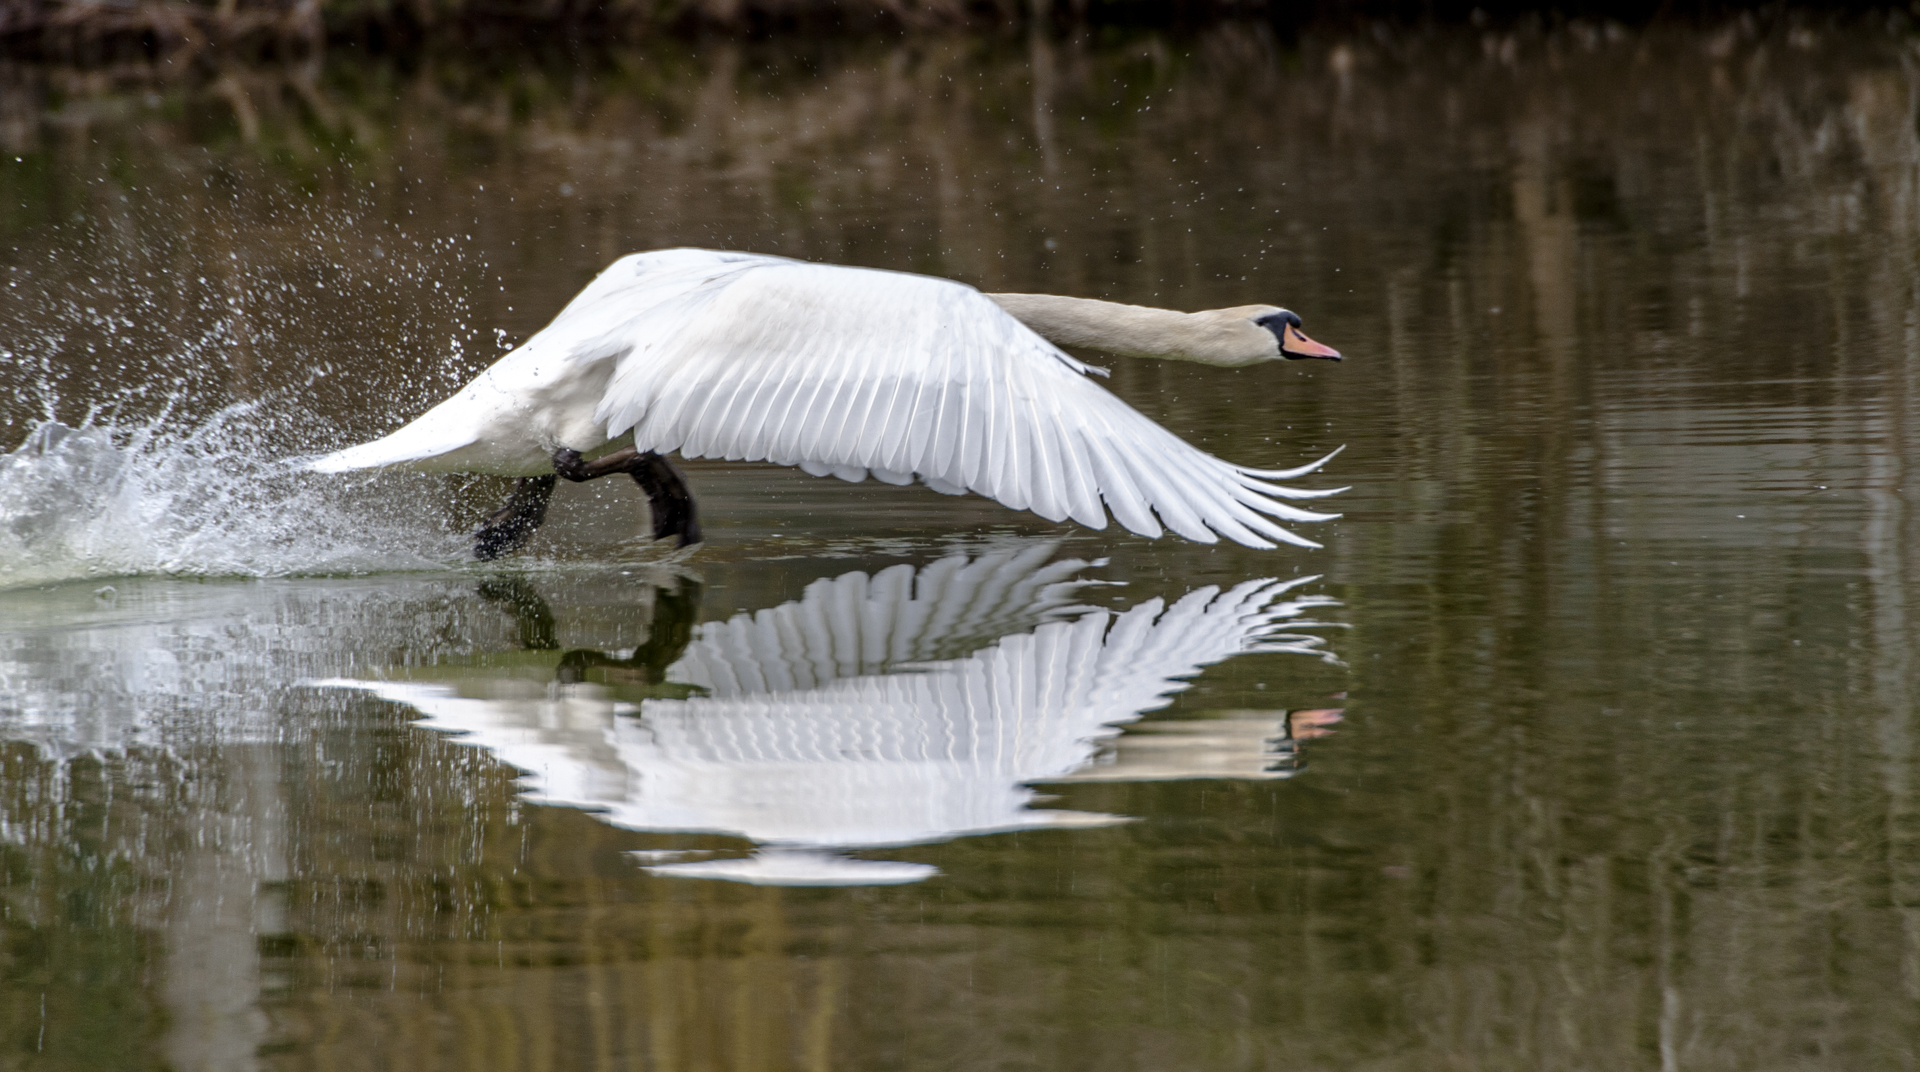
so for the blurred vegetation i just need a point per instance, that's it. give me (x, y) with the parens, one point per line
(100, 31)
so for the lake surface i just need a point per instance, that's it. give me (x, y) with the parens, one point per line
(1587, 741)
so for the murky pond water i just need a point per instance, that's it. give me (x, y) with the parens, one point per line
(1605, 677)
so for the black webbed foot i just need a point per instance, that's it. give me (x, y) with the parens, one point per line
(509, 528)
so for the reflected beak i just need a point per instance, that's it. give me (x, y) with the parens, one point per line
(1306, 725)
(1294, 346)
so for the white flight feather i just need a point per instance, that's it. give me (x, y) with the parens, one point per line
(840, 371)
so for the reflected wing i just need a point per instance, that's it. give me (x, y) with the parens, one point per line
(881, 759)
(849, 371)
(1025, 707)
(855, 624)
(792, 749)
(570, 743)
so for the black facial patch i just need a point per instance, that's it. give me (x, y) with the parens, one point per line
(1278, 324)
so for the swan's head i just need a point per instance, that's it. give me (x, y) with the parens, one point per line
(1235, 337)
(1289, 342)
(1250, 334)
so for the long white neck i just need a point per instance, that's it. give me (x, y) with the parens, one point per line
(1213, 337)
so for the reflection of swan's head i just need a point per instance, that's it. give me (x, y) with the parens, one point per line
(1289, 341)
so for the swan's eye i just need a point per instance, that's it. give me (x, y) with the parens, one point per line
(1278, 323)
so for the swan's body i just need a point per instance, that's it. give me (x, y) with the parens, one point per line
(851, 371)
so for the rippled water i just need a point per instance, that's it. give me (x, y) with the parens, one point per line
(1587, 740)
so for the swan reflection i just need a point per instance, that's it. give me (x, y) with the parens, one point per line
(902, 707)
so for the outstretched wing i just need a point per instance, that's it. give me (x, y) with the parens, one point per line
(853, 371)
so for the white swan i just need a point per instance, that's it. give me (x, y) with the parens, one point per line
(850, 371)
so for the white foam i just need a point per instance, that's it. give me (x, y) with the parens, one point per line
(97, 501)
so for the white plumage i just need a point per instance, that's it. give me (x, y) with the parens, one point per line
(842, 371)
(823, 726)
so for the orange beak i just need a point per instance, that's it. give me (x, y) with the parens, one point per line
(1295, 345)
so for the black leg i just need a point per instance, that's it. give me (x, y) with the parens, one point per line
(675, 610)
(570, 464)
(509, 528)
(674, 512)
(530, 612)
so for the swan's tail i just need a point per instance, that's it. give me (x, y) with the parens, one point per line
(410, 444)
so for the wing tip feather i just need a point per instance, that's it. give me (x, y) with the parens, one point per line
(1289, 474)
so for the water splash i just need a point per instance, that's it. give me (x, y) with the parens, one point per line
(99, 501)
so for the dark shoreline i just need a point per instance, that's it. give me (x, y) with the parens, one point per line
(185, 34)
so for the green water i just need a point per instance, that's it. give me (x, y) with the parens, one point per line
(1627, 771)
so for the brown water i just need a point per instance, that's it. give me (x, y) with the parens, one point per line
(1627, 776)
